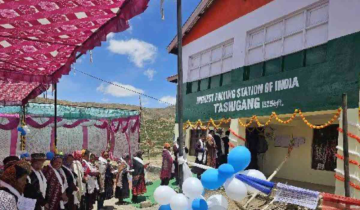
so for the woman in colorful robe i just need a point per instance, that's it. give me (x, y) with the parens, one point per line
(55, 192)
(167, 163)
(37, 183)
(211, 151)
(138, 181)
(12, 183)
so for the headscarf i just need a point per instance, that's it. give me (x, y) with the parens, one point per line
(15, 172)
(77, 155)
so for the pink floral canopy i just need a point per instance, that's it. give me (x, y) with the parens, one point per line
(40, 39)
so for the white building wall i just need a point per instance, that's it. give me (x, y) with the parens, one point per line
(344, 19)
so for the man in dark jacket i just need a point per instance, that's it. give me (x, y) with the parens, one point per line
(37, 183)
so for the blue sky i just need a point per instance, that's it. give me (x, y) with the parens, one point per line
(136, 58)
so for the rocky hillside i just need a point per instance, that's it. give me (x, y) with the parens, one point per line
(157, 124)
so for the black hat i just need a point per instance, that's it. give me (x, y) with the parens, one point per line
(38, 156)
(8, 161)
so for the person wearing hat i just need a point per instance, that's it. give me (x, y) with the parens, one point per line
(67, 171)
(166, 166)
(12, 184)
(56, 184)
(210, 151)
(37, 184)
(8, 161)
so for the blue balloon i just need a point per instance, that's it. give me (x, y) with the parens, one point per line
(199, 204)
(226, 171)
(211, 180)
(165, 207)
(239, 158)
(22, 131)
(50, 155)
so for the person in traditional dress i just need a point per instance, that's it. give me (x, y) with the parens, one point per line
(67, 171)
(216, 136)
(167, 163)
(138, 180)
(200, 155)
(210, 151)
(56, 184)
(37, 183)
(106, 179)
(90, 174)
(13, 182)
(122, 181)
(80, 181)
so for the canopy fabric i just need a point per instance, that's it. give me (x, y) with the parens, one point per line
(40, 39)
(69, 112)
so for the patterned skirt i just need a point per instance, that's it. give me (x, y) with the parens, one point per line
(140, 188)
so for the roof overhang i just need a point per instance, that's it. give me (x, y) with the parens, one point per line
(173, 78)
(189, 24)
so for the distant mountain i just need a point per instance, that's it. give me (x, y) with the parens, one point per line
(157, 124)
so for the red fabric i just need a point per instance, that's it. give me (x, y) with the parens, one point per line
(336, 202)
(141, 187)
(13, 143)
(85, 137)
(35, 124)
(12, 124)
(167, 163)
(39, 40)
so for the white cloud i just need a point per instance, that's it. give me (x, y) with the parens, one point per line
(117, 91)
(168, 99)
(105, 100)
(150, 74)
(110, 36)
(138, 51)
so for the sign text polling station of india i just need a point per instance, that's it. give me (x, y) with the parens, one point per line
(246, 98)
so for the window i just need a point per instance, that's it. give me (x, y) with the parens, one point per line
(302, 30)
(210, 62)
(324, 148)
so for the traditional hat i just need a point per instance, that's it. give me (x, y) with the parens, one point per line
(8, 161)
(167, 145)
(38, 156)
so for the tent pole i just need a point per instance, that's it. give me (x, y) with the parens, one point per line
(55, 114)
(346, 145)
(179, 89)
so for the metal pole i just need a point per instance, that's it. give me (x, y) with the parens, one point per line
(55, 114)
(179, 89)
(345, 145)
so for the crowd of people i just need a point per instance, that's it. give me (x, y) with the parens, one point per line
(74, 181)
(211, 149)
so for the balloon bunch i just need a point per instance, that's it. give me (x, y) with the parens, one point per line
(237, 183)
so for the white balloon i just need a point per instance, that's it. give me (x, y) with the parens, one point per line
(217, 202)
(27, 130)
(256, 174)
(179, 202)
(235, 189)
(192, 187)
(163, 195)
